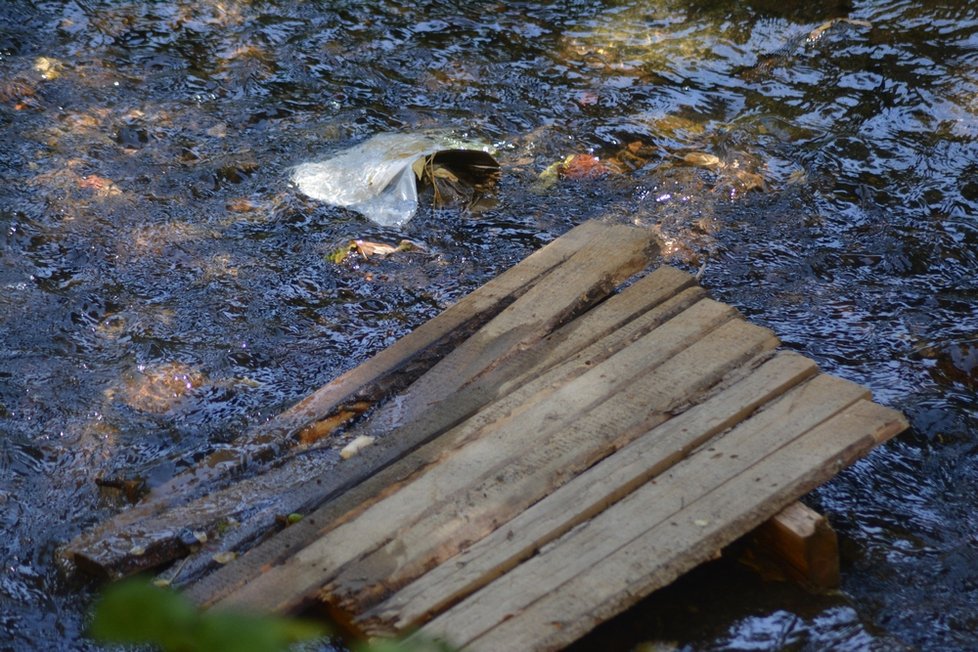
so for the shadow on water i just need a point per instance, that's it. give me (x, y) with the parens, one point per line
(162, 285)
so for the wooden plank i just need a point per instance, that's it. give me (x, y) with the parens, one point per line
(429, 340)
(283, 586)
(611, 255)
(657, 291)
(582, 498)
(630, 311)
(795, 413)
(526, 457)
(588, 276)
(803, 543)
(418, 350)
(694, 533)
(511, 473)
(487, 299)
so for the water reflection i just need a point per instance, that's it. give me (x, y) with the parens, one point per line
(161, 286)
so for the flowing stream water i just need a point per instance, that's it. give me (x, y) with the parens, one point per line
(162, 284)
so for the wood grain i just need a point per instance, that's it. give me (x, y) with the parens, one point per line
(694, 533)
(583, 498)
(726, 346)
(787, 418)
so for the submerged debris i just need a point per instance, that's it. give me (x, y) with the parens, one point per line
(367, 249)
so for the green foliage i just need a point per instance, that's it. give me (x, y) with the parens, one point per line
(135, 612)
(412, 644)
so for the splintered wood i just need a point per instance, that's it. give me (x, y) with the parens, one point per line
(564, 457)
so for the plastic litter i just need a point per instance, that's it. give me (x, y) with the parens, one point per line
(375, 178)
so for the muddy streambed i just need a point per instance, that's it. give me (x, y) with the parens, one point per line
(162, 284)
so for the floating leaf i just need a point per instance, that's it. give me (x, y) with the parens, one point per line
(241, 205)
(293, 518)
(548, 177)
(583, 166)
(367, 249)
(225, 556)
(339, 255)
(702, 159)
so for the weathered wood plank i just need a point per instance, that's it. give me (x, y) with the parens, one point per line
(612, 254)
(583, 498)
(663, 296)
(492, 479)
(521, 462)
(789, 417)
(694, 533)
(803, 543)
(410, 356)
(486, 300)
(588, 276)
(728, 345)
(631, 311)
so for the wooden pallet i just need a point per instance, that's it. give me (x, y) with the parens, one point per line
(562, 458)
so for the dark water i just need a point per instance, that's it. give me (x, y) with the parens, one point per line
(162, 285)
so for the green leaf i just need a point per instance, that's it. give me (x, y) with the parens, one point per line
(134, 611)
(414, 643)
(242, 633)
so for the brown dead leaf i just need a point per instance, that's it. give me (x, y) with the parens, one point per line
(241, 205)
(583, 166)
(103, 187)
(702, 160)
(367, 249)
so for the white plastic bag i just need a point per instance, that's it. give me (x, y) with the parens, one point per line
(373, 178)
